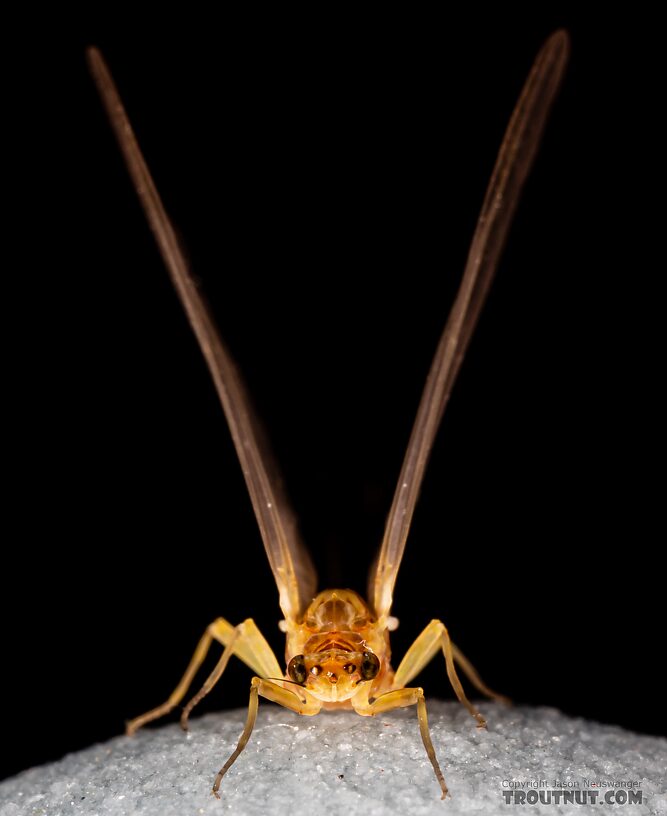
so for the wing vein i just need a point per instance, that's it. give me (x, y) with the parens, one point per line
(513, 164)
(290, 563)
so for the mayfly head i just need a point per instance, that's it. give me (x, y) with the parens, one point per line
(333, 675)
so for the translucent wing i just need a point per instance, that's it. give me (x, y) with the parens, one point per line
(290, 563)
(512, 166)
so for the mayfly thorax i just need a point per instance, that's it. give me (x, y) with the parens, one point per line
(337, 643)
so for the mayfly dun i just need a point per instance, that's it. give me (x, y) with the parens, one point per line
(337, 650)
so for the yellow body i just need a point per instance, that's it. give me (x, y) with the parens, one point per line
(337, 628)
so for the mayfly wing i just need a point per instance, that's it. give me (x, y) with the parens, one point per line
(290, 563)
(511, 169)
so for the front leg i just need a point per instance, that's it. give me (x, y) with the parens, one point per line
(400, 698)
(309, 706)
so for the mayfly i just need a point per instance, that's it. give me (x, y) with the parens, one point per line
(337, 650)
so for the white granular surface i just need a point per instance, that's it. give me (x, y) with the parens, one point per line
(340, 763)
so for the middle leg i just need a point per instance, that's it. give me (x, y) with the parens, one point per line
(435, 637)
(247, 643)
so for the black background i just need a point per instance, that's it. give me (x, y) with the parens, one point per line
(326, 174)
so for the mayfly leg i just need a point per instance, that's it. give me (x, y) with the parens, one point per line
(473, 675)
(181, 689)
(246, 642)
(309, 706)
(434, 638)
(401, 698)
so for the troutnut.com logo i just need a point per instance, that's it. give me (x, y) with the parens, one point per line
(572, 792)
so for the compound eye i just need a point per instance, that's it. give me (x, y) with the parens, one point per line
(296, 669)
(370, 666)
